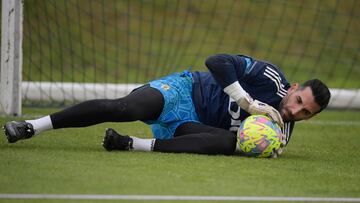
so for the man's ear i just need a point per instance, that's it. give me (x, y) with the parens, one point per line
(293, 87)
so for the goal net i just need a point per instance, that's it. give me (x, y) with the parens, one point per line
(75, 50)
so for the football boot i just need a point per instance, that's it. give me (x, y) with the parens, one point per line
(114, 141)
(17, 130)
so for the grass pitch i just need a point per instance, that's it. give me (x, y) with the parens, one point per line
(322, 160)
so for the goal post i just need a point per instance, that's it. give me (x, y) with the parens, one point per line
(11, 57)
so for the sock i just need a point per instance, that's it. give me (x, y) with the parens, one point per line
(143, 144)
(41, 124)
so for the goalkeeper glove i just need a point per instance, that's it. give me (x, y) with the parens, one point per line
(246, 102)
(278, 152)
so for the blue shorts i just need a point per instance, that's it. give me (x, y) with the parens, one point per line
(178, 104)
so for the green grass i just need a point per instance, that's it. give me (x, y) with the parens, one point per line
(322, 160)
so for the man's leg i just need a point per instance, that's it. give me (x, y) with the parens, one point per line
(189, 137)
(198, 138)
(144, 103)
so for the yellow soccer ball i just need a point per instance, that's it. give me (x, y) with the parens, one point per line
(259, 136)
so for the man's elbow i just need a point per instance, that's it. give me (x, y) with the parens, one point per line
(214, 61)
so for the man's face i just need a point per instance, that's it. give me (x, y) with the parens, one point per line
(298, 104)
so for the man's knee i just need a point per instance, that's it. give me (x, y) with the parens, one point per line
(228, 144)
(143, 104)
(124, 108)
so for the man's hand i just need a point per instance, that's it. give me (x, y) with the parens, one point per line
(257, 107)
(260, 108)
(246, 102)
(281, 150)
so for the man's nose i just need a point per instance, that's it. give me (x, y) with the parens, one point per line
(295, 110)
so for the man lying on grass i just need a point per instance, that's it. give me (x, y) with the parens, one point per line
(193, 112)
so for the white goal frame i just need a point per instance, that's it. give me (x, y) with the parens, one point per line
(11, 57)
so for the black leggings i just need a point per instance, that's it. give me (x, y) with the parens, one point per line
(198, 138)
(146, 103)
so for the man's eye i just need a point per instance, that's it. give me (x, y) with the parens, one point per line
(299, 100)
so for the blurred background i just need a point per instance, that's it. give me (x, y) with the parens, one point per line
(70, 47)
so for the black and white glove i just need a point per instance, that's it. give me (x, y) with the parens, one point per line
(246, 102)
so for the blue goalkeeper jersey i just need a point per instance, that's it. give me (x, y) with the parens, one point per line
(262, 80)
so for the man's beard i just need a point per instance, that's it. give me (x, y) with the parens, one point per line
(284, 111)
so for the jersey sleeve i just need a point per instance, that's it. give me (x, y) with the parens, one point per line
(227, 69)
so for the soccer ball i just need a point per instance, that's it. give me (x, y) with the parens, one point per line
(259, 136)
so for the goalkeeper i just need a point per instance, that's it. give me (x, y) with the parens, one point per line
(193, 112)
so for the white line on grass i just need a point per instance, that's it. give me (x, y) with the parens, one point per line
(176, 197)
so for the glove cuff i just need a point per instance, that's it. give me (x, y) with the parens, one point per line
(236, 92)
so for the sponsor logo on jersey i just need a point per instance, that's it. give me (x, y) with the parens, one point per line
(165, 87)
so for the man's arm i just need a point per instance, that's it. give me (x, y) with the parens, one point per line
(224, 68)
(227, 70)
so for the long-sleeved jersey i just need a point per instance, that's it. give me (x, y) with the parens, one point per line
(262, 80)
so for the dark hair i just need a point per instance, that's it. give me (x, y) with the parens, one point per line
(320, 91)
